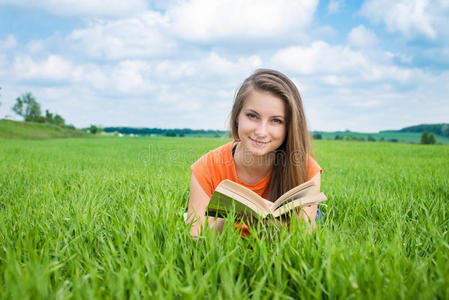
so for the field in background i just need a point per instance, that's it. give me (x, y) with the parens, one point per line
(29, 130)
(103, 218)
(35, 131)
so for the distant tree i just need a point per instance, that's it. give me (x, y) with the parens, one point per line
(39, 119)
(317, 136)
(182, 133)
(54, 119)
(382, 139)
(48, 116)
(170, 133)
(427, 138)
(393, 140)
(431, 139)
(349, 138)
(339, 137)
(93, 129)
(58, 120)
(424, 138)
(371, 139)
(27, 107)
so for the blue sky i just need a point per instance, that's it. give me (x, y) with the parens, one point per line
(360, 65)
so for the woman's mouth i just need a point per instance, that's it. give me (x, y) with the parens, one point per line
(258, 143)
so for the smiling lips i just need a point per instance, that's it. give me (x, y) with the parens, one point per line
(258, 143)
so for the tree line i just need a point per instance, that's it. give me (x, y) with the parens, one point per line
(27, 107)
(165, 132)
(440, 129)
(350, 137)
(427, 138)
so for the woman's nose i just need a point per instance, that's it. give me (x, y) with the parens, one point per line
(261, 129)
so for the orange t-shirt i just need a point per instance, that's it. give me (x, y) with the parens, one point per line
(218, 165)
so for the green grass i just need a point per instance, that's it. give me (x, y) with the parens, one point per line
(29, 130)
(102, 218)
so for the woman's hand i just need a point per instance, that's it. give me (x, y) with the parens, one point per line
(308, 213)
(198, 202)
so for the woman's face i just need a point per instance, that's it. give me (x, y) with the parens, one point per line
(262, 123)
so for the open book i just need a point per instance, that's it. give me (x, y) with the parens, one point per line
(229, 194)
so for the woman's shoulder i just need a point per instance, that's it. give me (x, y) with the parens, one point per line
(222, 154)
(214, 166)
(226, 148)
(312, 167)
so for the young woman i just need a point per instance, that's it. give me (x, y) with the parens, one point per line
(270, 153)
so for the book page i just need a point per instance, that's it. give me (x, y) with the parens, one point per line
(244, 193)
(223, 201)
(289, 194)
(301, 194)
(307, 200)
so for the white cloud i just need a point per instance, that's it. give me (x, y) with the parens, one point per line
(132, 78)
(204, 20)
(377, 107)
(361, 37)
(151, 34)
(223, 67)
(342, 65)
(320, 58)
(8, 43)
(35, 46)
(424, 22)
(335, 6)
(169, 70)
(53, 68)
(410, 17)
(180, 67)
(90, 8)
(224, 71)
(141, 36)
(361, 89)
(124, 77)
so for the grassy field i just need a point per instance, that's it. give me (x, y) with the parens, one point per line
(102, 218)
(29, 130)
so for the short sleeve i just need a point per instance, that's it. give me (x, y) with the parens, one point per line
(312, 168)
(202, 171)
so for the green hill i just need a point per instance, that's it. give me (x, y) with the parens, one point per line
(29, 130)
(440, 129)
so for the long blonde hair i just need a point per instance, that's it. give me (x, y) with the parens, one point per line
(290, 163)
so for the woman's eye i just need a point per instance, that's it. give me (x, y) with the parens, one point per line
(251, 116)
(277, 121)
